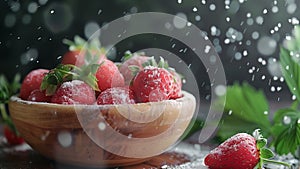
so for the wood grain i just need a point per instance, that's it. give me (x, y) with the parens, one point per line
(41, 125)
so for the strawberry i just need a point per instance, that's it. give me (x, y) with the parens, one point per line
(39, 96)
(12, 137)
(176, 85)
(132, 60)
(75, 57)
(116, 95)
(31, 82)
(241, 151)
(152, 84)
(108, 75)
(78, 51)
(74, 92)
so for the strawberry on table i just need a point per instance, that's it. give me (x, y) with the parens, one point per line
(74, 92)
(31, 82)
(108, 75)
(135, 60)
(116, 95)
(153, 84)
(241, 151)
(12, 137)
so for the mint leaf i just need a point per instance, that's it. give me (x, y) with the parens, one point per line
(246, 109)
(286, 131)
(291, 71)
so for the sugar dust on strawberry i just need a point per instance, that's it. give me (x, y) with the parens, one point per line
(108, 75)
(153, 84)
(116, 95)
(74, 92)
(31, 82)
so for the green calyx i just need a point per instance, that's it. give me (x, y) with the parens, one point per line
(64, 73)
(265, 153)
(81, 44)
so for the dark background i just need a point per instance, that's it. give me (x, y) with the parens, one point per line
(32, 32)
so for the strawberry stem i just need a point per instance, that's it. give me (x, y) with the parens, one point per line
(275, 162)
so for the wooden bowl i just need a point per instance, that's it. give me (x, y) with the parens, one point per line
(102, 135)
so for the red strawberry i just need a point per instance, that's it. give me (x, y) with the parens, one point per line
(75, 57)
(241, 151)
(108, 75)
(31, 82)
(78, 51)
(38, 96)
(74, 92)
(177, 85)
(11, 137)
(116, 95)
(153, 84)
(135, 60)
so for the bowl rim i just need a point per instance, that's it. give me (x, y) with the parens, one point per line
(185, 96)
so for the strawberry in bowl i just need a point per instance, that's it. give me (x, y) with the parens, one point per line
(83, 114)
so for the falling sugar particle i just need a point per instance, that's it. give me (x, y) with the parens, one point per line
(298, 121)
(179, 1)
(294, 97)
(129, 136)
(230, 112)
(266, 112)
(263, 77)
(52, 11)
(99, 12)
(212, 7)
(272, 89)
(195, 9)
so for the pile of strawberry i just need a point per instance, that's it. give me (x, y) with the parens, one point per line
(87, 76)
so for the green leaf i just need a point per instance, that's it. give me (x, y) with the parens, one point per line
(246, 109)
(261, 143)
(286, 131)
(291, 71)
(266, 153)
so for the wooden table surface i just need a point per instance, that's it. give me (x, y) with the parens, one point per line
(22, 157)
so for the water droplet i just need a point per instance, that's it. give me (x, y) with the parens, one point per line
(220, 90)
(291, 8)
(230, 112)
(180, 20)
(238, 56)
(259, 20)
(287, 120)
(90, 29)
(10, 20)
(32, 7)
(64, 138)
(275, 9)
(101, 126)
(15, 6)
(207, 49)
(272, 89)
(212, 7)
(265, 11)
(58, 17)
(99, 11)
(266, 45)
(43, 2)
(197, 17)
